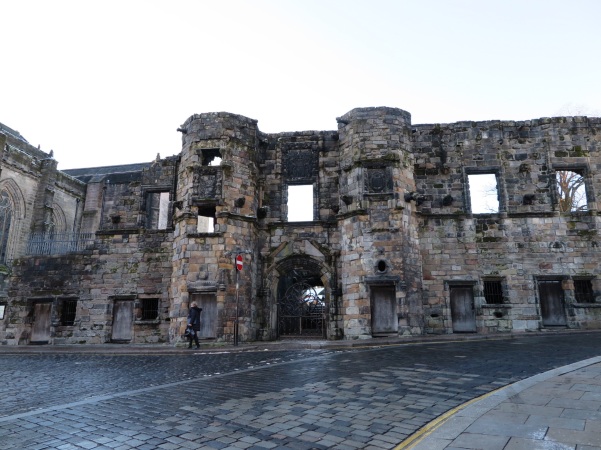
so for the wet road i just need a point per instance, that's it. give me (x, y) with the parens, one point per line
(369, 398)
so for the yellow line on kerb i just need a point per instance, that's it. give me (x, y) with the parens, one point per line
(429, 428)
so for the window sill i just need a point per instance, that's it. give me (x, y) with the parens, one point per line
(204, 235)
(147, 322)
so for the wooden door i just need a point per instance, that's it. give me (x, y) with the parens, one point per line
(123, 321)
(384, 318)
(40, 333)
(208, 316)
(552, 303)
(463, 313)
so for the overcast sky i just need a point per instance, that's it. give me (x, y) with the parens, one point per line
(106, 83)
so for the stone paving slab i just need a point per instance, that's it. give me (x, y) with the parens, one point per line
(341, 399)
(535, 413)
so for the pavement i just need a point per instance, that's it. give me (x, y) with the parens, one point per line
(554, 410)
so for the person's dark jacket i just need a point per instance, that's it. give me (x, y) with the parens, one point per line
(194, 318)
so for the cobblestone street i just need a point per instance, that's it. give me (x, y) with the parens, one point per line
(370, 398)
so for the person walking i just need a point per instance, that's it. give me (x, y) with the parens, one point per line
(194, 323)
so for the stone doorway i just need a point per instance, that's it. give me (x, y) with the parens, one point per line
(463, 314)
(208, 317)
(552, 303)
(40, 332)
(123, 321)
(302, 310)
(384, 317)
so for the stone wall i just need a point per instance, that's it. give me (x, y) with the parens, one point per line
(529, 237)
(393, 241)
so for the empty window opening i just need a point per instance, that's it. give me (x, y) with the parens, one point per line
(211, 157)
(206, 220)
(69, 310)
(493, 292)
(484, 198)
(583, 291)
(6, 213)
(571, 191)
(150, 308)
(300, 203)
(2, 311)
(158, 210)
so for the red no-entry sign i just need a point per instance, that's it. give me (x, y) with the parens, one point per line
(239, 262)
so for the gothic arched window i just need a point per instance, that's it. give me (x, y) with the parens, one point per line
(6, 214)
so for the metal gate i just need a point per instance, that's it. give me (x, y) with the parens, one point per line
(301, 312)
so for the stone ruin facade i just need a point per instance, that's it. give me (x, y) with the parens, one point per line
(392, 246)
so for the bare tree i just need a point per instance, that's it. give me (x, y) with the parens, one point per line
(571, 190)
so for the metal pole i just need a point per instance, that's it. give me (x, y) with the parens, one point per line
(237, 303)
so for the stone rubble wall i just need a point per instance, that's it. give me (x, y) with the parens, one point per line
(391, 209)
(526, 239)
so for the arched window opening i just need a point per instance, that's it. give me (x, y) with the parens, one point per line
(6, 213)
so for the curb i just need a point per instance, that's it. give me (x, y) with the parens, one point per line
(281, 345)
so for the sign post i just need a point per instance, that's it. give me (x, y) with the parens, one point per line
(239, 266)
(239, 256)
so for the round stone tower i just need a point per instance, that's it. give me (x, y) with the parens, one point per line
(379, 245)
(214, 214)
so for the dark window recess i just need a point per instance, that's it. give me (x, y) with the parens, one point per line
(211, 156)
(69, 312)
(150, 308)
(206, 219)
(583, 291)
(493, 292)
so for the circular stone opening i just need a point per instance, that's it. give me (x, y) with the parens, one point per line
(498, 314)
(381, 266)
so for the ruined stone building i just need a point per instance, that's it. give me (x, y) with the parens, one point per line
(393, 243)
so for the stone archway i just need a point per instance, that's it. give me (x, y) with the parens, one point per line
(302, 298)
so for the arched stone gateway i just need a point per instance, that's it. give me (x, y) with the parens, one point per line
(303, 303)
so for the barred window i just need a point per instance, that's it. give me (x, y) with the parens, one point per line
(493, 291)
(583, 291)
(150, 308)
(69, 310)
